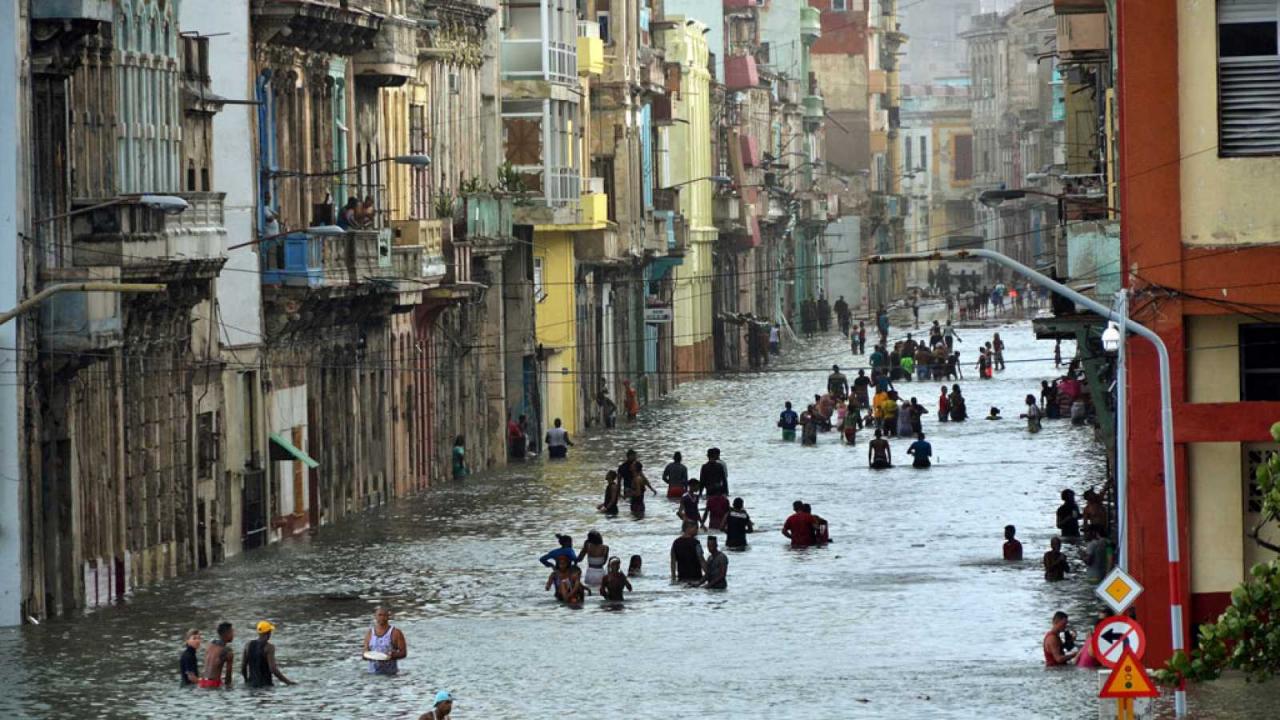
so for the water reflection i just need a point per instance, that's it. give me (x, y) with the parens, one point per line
(907, 614)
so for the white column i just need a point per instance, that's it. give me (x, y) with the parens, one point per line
(12, 193)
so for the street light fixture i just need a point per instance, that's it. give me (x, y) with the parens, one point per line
(993, 198)
(1166, 412)
(417, 160)
(168, 204)
(314, 231)
(717, 179)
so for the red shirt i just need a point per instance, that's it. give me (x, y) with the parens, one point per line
(513, 431)
(801, 527)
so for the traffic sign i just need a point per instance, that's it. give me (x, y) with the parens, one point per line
(1116, 636)
(1128, 680)
(658, 315)
(1118, 590)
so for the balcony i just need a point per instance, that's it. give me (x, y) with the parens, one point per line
(727, 213)
(814, 109)
(393, 59)
(810, 24)
(1083, 37)
(540, 42)
(887, 206)
(299, 260)
(740, 73)
(590, 49)
(418, 247)
(91, 10)
(489, 221)
(1093, 252)
(148, 243)
(319, 25)
(670, 232)
(82, 322)
(594, 204)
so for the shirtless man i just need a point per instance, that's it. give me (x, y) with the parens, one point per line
(879, 455)
(443, 706)
(1054, 655)
(614, 582)
(217, 659)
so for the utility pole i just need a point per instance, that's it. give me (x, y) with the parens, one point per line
(12, 212)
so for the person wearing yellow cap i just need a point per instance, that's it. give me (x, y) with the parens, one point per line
(443, 706)
(259, 663)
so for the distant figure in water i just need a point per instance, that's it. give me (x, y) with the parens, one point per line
(611, 494)
(1055, 563)
(633, 568)
(879, 456)
(921, 452)
(558, 442)
(613, 584)
(1012, 548)
(737, 525)
(994, 413)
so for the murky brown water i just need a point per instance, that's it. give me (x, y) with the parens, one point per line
(908, 614)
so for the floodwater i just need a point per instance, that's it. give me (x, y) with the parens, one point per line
(909, 613)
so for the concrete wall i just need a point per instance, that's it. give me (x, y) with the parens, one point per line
(12, 221)
(1221, 204)
(557, 327)
(234, 165)
(711, 14)
(780, 27)
(844, 249)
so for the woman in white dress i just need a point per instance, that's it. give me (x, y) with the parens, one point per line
(596, 553)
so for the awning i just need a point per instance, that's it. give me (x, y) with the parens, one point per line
(297, 454)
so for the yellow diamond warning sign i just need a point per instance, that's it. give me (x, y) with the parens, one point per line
(1128, 680)
(1118, 590)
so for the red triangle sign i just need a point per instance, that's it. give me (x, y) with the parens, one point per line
(1128, 679)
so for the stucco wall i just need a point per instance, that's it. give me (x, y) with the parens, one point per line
(1213, 364)
(239, 294)
(1217, 516)
(1221, 202)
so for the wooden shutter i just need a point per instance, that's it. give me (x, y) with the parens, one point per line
(962, 163)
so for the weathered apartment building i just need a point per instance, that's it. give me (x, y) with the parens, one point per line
(373, 227)
(1018, 114)
(313, 187)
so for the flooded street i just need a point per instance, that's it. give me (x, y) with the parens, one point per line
(909, 613)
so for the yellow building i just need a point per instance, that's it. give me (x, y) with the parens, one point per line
(684, 148)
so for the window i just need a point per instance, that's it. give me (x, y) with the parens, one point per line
(907, 166)
(1260, 362)
(962, 164)
(603, 18)
(924, 153)
(538, 292)
(839, 5)
(1248, 78)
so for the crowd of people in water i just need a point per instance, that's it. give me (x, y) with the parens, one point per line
(701, 504)
(873, 401)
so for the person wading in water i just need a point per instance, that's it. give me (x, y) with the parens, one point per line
(879, 456)
(258, 665)
(611, 587)
(385, 638)
(217, 659)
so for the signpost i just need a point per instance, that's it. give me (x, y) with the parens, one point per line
(1118, 590)
(1115, 637)
(1129, 680)
(658, 315)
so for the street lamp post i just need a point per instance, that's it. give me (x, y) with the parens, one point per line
(1166, 415)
